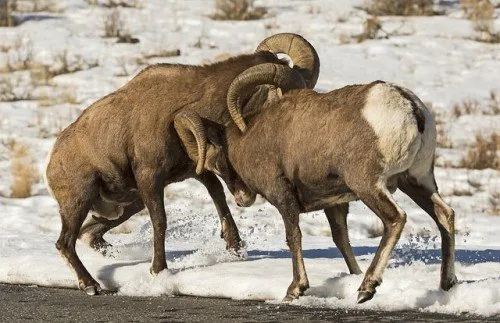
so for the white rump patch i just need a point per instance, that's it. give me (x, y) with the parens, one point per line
(421, 167)
(391, 117)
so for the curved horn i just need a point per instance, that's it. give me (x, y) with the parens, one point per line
(304, 56)
(191, 131)
(275, 74)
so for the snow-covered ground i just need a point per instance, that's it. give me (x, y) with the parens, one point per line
(434, 57)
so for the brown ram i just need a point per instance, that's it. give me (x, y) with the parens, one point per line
(308, 151)
(122, 151)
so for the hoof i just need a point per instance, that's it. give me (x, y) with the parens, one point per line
(243, 244)
(288, 299)
(155, 273)
(238, 249)
(294, 291)
(240, 253)
(93, 290)
(107, 292)
(364, 296)
(447, 285)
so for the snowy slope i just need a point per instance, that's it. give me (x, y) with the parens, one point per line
(437, 60)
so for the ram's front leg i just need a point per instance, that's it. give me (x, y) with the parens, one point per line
(151, 192)
(229, 230)
(288, 207)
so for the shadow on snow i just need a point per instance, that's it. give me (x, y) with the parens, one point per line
(400, 256)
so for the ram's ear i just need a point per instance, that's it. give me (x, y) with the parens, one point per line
(274, 95)
(191, 131)
(215, 135)
(215, 145)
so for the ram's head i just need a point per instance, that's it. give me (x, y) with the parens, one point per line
(205, 143)
(266, 82)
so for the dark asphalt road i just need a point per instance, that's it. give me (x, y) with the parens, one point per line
(37, 304)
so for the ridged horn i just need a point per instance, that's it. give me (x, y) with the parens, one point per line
(304, 56)
(278, 75)
(191, 131)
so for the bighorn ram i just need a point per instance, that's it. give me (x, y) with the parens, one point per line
(308, 151)
(123, 150)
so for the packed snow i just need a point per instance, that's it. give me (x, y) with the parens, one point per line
(434, 56)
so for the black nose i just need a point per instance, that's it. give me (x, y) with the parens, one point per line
(238, 203)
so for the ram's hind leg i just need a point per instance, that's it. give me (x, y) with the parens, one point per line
(94, 229)
(425, 194)
(380, 201)
(74, 205)
(337, 217)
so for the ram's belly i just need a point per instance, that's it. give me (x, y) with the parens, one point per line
(323, 203)
(317, 197)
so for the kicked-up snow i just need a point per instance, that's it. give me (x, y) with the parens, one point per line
(435, 57)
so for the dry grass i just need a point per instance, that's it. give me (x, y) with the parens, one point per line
(7, 89)
(64, 94)
(438, 114)
(477, 9)
(494, 103)
(20, 55)
(474, 107)
(440, 119)
(113, 25)
(371, 29)
(481, 13)
(23, 170)
(116, 3)
(122, 3)
(164, 53)
(68, 95)
(400, 7)
(6, 9)
(237, 10)
(64, 63)
(494, 203)
(467, 106)
(50, 122)
(443, 139)
(344, 38)
(484, 154)
(271, 24)
(13, 87)
(24, 6)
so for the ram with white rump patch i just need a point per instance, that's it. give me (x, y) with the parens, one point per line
(308, 151)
